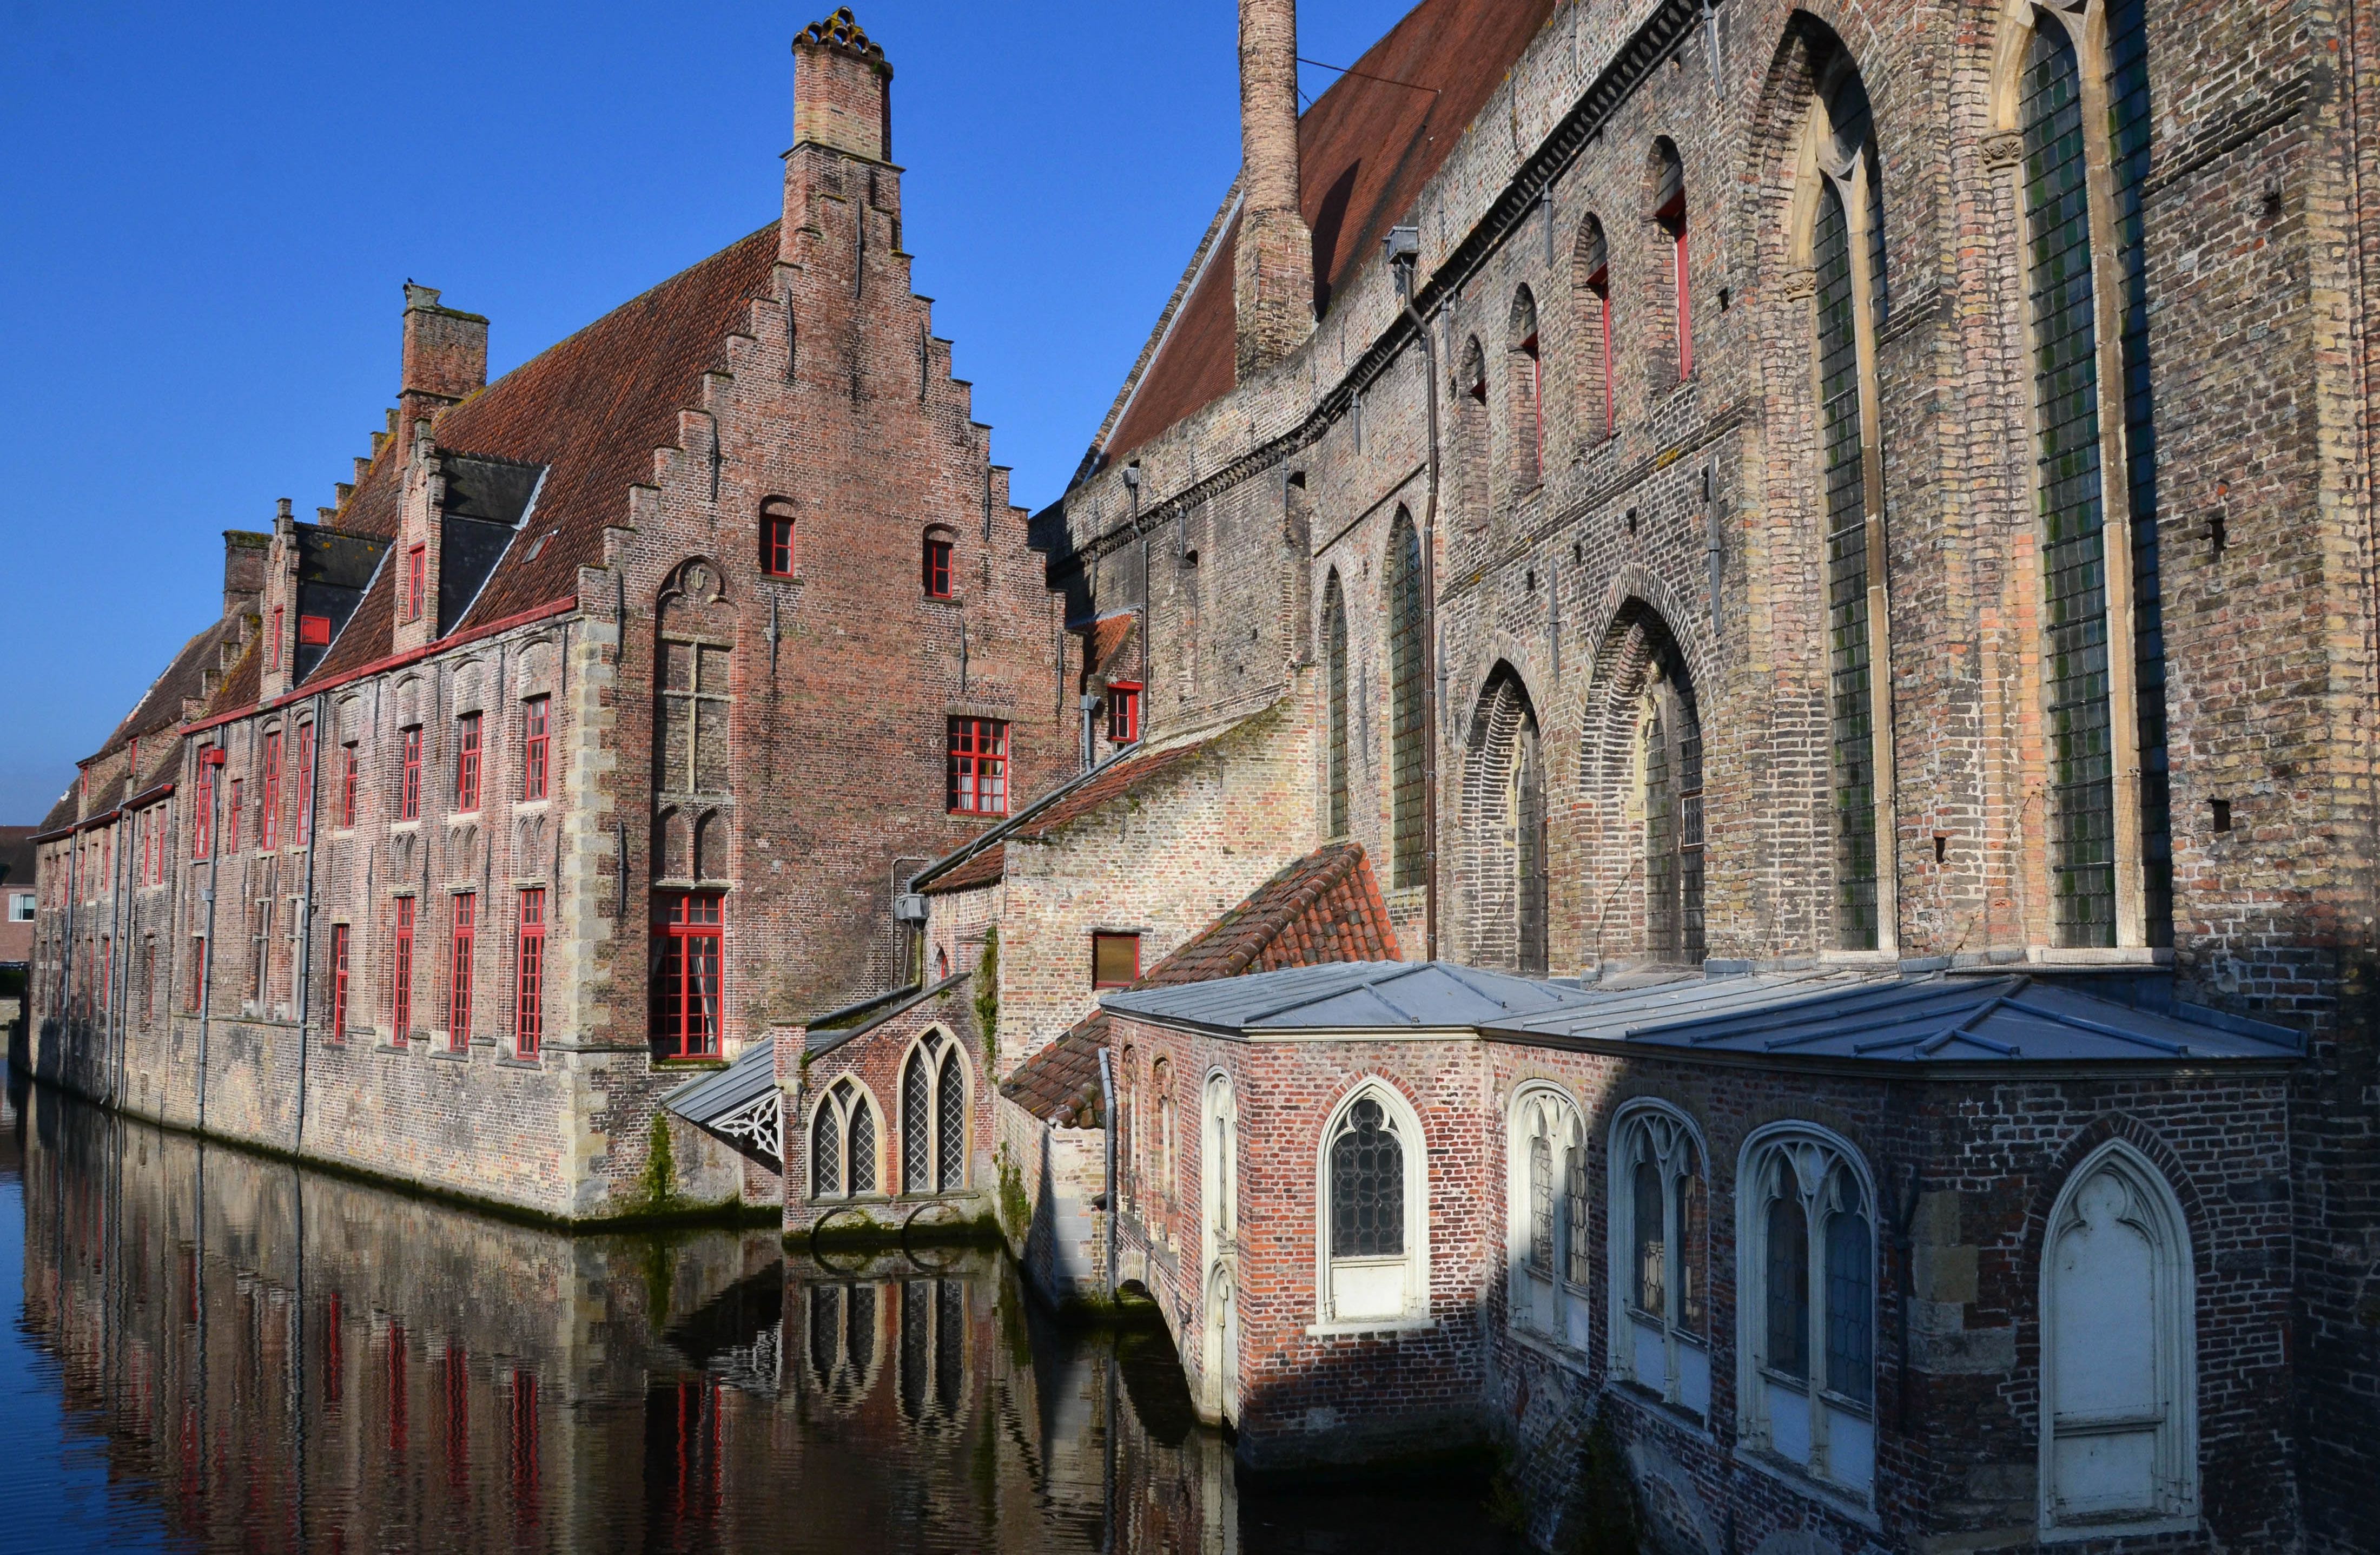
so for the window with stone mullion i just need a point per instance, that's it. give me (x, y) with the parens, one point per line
(1846, 578)
(917, 1113)
(2065, 407)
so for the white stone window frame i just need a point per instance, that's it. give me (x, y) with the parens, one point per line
(2154, 1211)
(831, 1097)
(1414, 1263)
(1665, 1356)
(1543, 1302)
(929, 1045)
(1218, 1193)
(1833, 1440)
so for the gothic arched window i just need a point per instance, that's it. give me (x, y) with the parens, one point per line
(1591, 288)
(1659, 1238)
(843, 1144)
(1375, 1222)
(1407, 690)
(1845, 244)
(1672, 732)
(1527, 368)
(1674, 305)
(1807, 1292)
(933, 1117)
(1334, 659)
(1547, 1211)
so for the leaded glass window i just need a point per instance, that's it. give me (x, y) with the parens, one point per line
(863, 1149)
(1673, 823)
(1334, 652)
(1648, 1268)
(826, 1152)
(1786, 1267)
(1541, 1204)
(950, 1137)
(2066, 414)
(1853, 730)
(916, 1124)
(1850, 1294)
(1367, 1185)
(1407, 690)
(1578, 1260)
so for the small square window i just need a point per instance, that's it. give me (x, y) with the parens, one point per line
(1115, 960)
(21, 907)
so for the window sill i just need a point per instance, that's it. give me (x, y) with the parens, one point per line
(2069, 1533)
(689, 1065)
(2115, 955)
(448, 1051)
(514, 1060)
(1367, 1328)
(1676, 1415)
(1794, 1476)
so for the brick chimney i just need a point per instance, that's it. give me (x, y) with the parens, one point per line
(446, 360)
(245, 554)
(1272, 268)
(843, 89)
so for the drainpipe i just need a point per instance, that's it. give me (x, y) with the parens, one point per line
(1403, 245)
(314, 817)
(212, 755)
(66, 960)
(1115, 1197)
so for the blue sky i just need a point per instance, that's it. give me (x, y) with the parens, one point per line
(210, 213)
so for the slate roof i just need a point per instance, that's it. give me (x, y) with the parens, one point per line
(709, 1097)
(1880, 1017)
(17, 855)
(982, 861)
(1935, 1019)
(1365, 148)
(1325, 907)
(592, 409)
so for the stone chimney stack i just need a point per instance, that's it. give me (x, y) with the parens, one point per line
(1272, 279)
(842, 90)
(446, 360)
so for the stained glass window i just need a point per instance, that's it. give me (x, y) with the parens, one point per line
(1367, 1185)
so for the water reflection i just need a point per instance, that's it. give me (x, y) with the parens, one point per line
(224, 1352)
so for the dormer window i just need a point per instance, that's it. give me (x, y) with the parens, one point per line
(273, 642)
(417, 572)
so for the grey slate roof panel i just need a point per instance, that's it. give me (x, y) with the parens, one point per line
(709, 1097)
(1877, 1016)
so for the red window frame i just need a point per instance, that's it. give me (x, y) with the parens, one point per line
(463, 912)
(535, 719)
(1672, 217)
(400, 996)
(408, 794)
(338, 982)
(273, 642)
(203, 805)
(1123, 712)
(937, 566)
(417, 576)
(777, 545)
(1107, 978)
(687, 928)
(467, 764)
(231, 819)
(348, 788)
(528, 983)
(268, 818)
(313, 631)
(305, 782)
(978, 766)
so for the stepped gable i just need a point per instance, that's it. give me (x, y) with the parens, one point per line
(591, 409)
(1323, 908)
(159, 706)
(1364, 151)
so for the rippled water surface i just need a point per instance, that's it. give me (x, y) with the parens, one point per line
(211, 1350)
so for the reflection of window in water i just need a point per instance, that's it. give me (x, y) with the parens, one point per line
(682, 1448)
(843, 1340)
(934, 1350)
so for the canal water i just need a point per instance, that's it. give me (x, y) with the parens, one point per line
(214, 1351)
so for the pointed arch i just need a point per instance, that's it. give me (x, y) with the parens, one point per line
(934, 1114)
(1641, 792)
(1659, 1223)
(1407, 691)
(1372, 1211)
(843, 1142)
(1591, 297)
(1546, 1225)
(1671, 320)
(1526, 367)
(1504, 841)
(1334, 672)
(1474, 440)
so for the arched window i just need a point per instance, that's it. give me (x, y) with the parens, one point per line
(1528, 392)
(1375, 1212)
(1160, 1091)
(1807, 1304)
(1591, 287)
(1659, 1251)
(1218, 1154)
(843, 1144)
(1676, 302)
(2119, 1353)
(1504, 829)
(1406, 691)
(1670, 728)
(933, 1351)
(934, 565)
(1846, 252)
(1546, 1212)
(842, 1341)
(1334, 661)
(933, 1117)
(777, 538)
(1474, 457)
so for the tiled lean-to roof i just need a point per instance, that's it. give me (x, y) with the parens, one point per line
(1323, 908)
(1365, 149)
(591, 410)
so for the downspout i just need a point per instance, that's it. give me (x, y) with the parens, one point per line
(314, 817)
(207, 957)
(1108, 1111)
(1404, 245)
(66, 961)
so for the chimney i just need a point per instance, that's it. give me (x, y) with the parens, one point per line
(245, 553)
(842, 90)
(446, 359)
(1272, 267)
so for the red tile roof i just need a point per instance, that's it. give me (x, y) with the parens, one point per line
(1323, 908)
(1109, 636)
(1365, 150)
(592, 409)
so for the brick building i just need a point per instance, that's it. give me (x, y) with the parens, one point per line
(588, 734)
